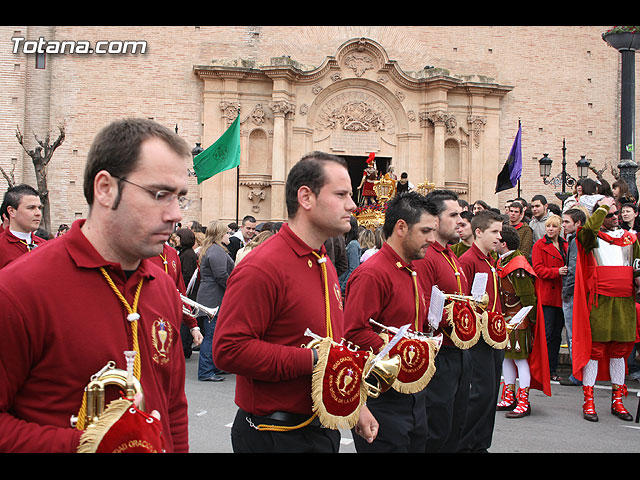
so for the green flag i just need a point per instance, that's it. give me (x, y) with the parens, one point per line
(223, 155)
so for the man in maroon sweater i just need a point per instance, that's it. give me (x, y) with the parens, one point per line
(448, 390)
(385, 288)
(292, 287)
(23, 209)
(488, 354)
(78, 302)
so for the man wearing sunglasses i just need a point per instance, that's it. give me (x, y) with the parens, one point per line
(604, 310)
(76, 303)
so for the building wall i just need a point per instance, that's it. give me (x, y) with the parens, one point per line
(565, 85)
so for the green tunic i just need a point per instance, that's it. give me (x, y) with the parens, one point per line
(459, 248)
(611, 318)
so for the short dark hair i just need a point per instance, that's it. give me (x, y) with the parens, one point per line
(483, 220)
(408, 206)
(576, 215)
(116, 149)
(13, 196)
(516, 204)
(510, 237)
(629, 205)
(309, 172)
(438, 197)
(467, 215)
(248, 218)
(542, 198)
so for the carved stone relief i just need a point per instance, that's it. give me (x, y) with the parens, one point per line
(355, 112)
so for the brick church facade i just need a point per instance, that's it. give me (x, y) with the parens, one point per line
(441, 103)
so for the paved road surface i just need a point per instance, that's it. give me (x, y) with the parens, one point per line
(555, 425)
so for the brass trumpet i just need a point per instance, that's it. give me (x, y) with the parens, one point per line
(380, 375)
(109, 375)
(196, 308)
(482, 303)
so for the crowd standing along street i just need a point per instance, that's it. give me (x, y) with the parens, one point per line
(390, 320)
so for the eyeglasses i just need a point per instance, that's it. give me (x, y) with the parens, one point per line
(164, 197)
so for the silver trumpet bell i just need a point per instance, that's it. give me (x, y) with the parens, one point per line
(193, 309)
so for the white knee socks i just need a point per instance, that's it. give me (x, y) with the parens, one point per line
(512, 369)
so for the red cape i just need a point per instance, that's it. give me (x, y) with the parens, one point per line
(539, 356)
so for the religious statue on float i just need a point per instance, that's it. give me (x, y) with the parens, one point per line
(369, 176)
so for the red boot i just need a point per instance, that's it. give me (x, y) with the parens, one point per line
(508, 400)
(588, 408)
(524, 407)
(617, 408)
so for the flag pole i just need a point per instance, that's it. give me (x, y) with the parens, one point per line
(237, 193)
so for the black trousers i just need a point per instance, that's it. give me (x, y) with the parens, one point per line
(402, 424)
(446, 399)
(486, 363)
(553, 324)
(309, 439)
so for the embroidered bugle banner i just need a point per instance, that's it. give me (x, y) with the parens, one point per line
(123, 428)
(338, 390)
(417, 363)
(465, 324)
(494, 330)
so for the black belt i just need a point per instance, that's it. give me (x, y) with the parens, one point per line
(286, 418)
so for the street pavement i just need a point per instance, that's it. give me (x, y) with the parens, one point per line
(554, 426)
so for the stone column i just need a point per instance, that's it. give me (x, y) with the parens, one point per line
(281, 110)
(438, 169)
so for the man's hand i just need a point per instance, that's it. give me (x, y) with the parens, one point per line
(367, 426)
(197, 336)
(137, 400)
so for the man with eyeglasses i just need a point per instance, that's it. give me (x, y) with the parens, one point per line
(81, 301)
(604, 307)
(23, 208)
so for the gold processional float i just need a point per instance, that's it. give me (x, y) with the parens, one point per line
(372, 216)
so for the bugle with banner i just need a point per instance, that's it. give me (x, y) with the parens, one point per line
(121, 426)
(417, 352)
(343, 377)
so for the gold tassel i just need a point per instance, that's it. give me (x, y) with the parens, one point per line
(93, 435)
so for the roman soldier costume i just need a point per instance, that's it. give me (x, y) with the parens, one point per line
(369, 176)
(522, 352)
(604, 314)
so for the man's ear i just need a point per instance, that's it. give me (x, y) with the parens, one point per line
(401, 228)
(105, 189)
(306, 198)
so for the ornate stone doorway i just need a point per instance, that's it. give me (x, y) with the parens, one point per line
(436, 126)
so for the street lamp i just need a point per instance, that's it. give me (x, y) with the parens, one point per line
(583, 166)
(194, 153)
(563, 178)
